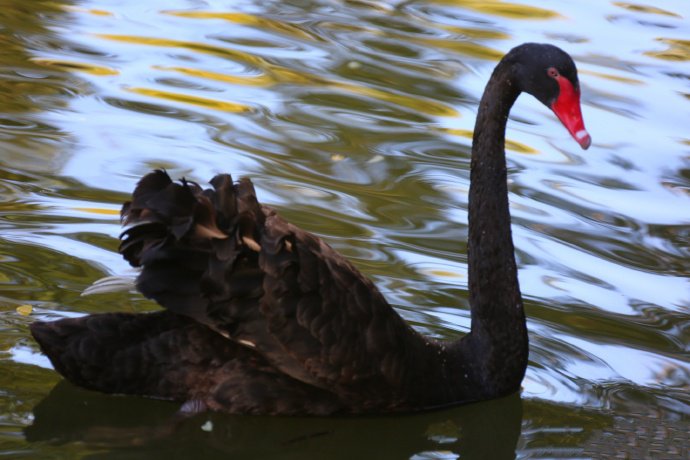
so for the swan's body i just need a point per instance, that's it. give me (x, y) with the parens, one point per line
(263, 317)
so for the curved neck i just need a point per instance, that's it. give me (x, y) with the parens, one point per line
(498, 339)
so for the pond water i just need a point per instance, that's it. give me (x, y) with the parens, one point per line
(354, 119)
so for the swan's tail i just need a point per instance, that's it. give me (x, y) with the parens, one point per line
(149, 354)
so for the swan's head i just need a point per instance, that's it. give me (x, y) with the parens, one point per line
(549, 74)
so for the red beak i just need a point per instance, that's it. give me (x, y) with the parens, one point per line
(567, 109)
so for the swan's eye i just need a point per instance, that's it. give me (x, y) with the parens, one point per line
(552, 72)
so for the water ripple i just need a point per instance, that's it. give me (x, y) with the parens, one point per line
(354, 120)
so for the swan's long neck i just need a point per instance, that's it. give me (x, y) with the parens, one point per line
(498, 339)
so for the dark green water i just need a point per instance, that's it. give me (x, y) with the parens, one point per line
(354, 119)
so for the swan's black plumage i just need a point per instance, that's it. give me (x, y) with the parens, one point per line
(263, 317)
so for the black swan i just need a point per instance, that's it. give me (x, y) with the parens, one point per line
(262, 317)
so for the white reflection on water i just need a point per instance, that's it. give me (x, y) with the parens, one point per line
(619, 362)
(616, 285)
(26, 355)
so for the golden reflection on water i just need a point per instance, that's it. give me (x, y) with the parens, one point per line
(250, 80)
(74, 66)
(219, 51)
(608, 76)
(470, 32)
(93, 11)
(646, 9)
(249, 20)
(208, 103)
(440, 273)
(503, 9)
(24, 310)
(100, 211)
(419, 105)
(515, 146)
(466, 48)
(678, 50)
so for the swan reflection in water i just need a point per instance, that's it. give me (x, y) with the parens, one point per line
(154, 430)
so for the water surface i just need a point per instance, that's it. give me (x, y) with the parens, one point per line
(354, 119)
